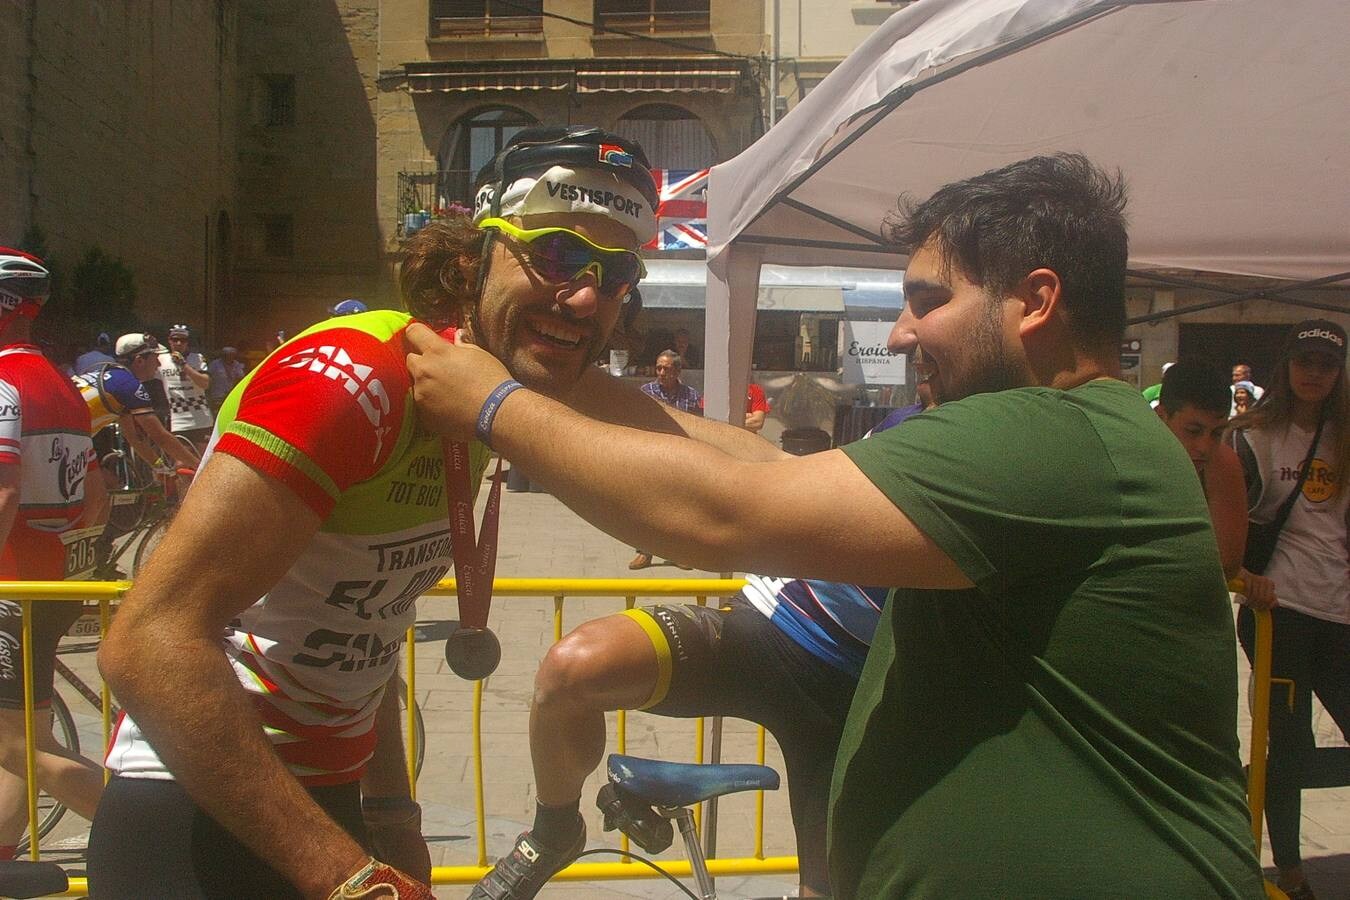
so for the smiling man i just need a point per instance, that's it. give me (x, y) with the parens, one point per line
(259, 756)
(1049, 704)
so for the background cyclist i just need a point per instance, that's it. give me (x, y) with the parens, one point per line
(49, 488)
(117, 394)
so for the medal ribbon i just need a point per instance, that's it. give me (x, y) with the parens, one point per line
(475, 558)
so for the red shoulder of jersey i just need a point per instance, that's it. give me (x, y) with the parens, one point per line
(322, 413)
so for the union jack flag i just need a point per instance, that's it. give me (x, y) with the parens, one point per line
(682, 214)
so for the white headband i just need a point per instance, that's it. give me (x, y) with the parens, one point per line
(565, 190)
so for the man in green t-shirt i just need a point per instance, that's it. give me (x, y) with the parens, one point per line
(1049, 705)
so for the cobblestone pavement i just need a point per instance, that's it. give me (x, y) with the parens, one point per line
(540, 537)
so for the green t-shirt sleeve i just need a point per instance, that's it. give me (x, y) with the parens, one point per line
(1008, 484)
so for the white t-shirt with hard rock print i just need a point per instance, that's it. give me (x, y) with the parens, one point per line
(1310, 566)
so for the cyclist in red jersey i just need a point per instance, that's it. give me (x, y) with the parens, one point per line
(46, 495)
(255, 769)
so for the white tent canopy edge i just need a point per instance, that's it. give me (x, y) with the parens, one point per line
(1226, 117)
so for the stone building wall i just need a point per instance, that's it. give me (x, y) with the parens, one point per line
(132, 141)
(15, 119)
(315, 170)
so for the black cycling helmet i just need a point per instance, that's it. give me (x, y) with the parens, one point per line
(532, 152)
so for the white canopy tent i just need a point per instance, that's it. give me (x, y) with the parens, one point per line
(1230, 120)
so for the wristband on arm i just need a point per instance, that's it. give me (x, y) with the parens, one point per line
(483, 429)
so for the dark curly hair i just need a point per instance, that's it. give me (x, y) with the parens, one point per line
(438, 271)
(1057, 212)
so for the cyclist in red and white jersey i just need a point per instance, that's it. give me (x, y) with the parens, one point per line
(48, 489)
(256, 757)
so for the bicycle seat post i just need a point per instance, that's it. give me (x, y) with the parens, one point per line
(693, 849)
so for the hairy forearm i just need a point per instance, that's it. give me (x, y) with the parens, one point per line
(164, 660)
(605, 398)
(781, 518)
(602, 471)
(205, 730)
(172, 448)
(140, 444)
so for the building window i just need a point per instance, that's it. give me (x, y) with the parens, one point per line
(278, 100)
(450, 18)
(470, 144)
(652, 16)
(279, 236)
(673, 137)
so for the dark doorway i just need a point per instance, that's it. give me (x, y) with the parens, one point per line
(1226, 345)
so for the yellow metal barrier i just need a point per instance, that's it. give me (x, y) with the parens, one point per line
(559, 589)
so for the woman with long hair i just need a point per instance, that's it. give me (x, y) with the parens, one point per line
(1302, 422)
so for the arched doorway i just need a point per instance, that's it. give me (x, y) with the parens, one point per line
(673, 137)
(470, 143)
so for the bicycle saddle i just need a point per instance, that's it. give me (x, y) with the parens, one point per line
(682, 784)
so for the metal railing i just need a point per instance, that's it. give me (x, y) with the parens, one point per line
(559, 590)
(432, 193)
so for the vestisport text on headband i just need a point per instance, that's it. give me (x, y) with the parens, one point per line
(561, 255)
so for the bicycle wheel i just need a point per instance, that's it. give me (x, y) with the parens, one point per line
(50, 811)
(149, 541)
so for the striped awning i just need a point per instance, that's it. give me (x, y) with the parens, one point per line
(590, 76)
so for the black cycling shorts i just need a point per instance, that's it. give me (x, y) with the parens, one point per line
(50, 623)
(150, 840)
(735, 662)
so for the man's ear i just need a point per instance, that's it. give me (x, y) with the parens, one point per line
(1162, 412)
(1041, 293)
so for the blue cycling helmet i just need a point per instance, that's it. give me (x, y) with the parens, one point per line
(349, 307)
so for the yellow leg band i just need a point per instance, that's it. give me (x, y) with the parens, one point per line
(662, 648)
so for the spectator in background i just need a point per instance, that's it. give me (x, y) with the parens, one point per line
(1242, 374)
(101, 355)
(1194, 406)
(670, 390)
(1305, 419)
(692, 356)
(756, 408)
(225, 371)
(1244, 398)
(183, 372)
